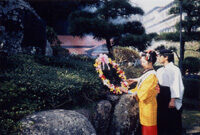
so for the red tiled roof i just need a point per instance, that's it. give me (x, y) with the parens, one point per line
(80, 44)
(87, 40)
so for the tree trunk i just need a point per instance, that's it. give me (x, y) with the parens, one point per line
(182, 50)
(181, 40)
(108, 43)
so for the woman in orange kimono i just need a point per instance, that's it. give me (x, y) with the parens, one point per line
(146, 92)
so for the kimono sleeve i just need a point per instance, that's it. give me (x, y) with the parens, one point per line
(147, 87)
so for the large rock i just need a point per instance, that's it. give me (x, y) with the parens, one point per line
(85, 112)
(21, 27)
(56, 122)
(126, 116)
(112, 98)
(101, 117)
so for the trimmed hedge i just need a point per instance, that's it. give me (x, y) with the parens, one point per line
(192, 88)
(59, 51)
(191, 65)
(124, 55)
(34, 83)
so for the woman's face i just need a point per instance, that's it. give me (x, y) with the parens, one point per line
(144, 62)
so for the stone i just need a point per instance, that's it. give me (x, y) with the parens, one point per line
(101, 117)
(48, 49)
(112, 98)
(125, 119)
(23, 27)
(85, 112)
(56, 122)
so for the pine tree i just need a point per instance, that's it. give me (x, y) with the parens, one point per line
(99, 23)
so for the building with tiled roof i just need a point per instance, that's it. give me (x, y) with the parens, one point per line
(95, 51)
(79, 45)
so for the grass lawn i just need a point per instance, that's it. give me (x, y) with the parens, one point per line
(191, 121)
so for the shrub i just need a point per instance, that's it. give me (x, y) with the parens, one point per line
(58, 51)
(191, 65)
(124, 55)
(192, 88)
(40, 83)
(132, 72)
(52, 36)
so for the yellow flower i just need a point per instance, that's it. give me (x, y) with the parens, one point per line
(100, 72)
(110, 61)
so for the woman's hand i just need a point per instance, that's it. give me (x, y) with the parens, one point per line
(158, 88)
(133, 96)
(123, 90)
(130, 81)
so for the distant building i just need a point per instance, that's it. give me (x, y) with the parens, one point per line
(95, 51)
(85, 46)
(159, 20)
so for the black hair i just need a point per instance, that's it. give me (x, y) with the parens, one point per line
(150, 56)
(167, 53)
(153, 57)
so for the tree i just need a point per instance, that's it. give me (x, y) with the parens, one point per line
(190, 24)
(138, 41)
(191, 8)
(100, 23)
(53, 11)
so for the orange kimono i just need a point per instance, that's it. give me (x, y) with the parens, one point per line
(146, 94)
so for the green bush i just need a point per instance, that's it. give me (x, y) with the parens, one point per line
(34, 83)
(133, 72)
(192, 88)
(52, 36)
(191, 65)
(58, 51)
(124, 55)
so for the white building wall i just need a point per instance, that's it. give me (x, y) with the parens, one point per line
(159, 20)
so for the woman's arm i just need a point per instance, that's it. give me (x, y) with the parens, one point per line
(132, 80)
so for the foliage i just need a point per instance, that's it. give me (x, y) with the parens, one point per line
(58, 51)
(192, 88)
(189, 25)
(138, 41)
(34, 83)
(193, 36)
(124, 55)
(102, 23)
(52, 36)
(191, 8)
(191, 65)
(133, 72)
(53, 10)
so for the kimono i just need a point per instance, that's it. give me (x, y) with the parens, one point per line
(146, 95)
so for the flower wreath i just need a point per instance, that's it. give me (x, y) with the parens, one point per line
(103, 60)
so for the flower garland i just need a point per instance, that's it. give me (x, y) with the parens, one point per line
(103, 60)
